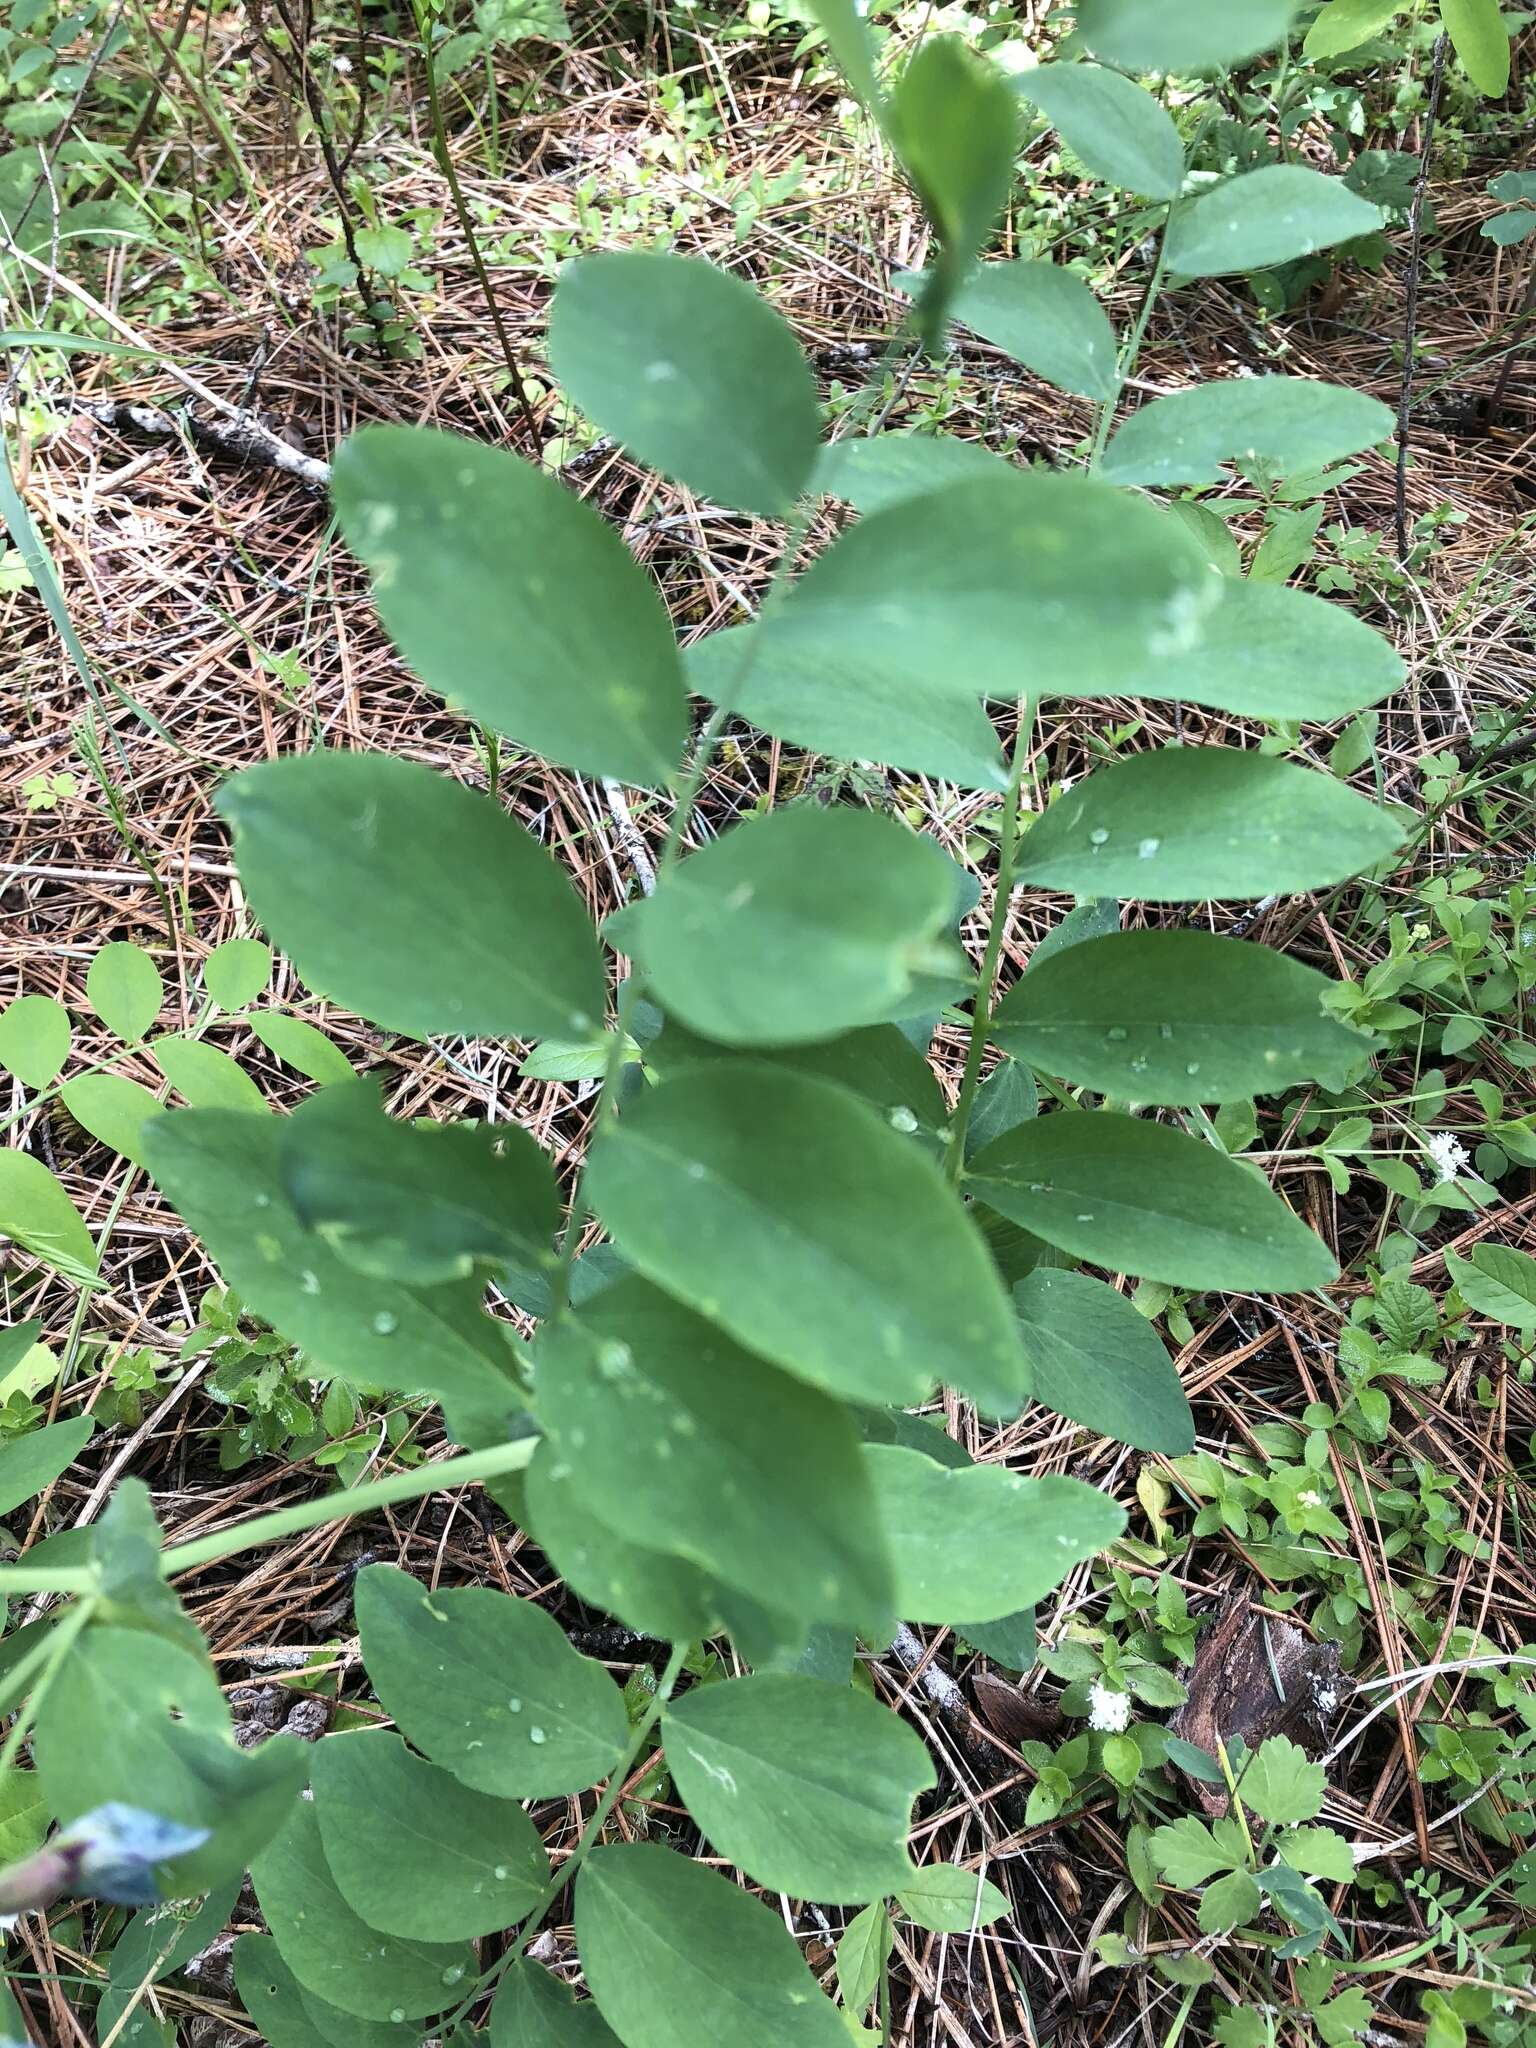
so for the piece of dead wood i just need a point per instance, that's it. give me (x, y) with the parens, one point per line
(1017, 1716)
(241, 434)
(1257, 1676)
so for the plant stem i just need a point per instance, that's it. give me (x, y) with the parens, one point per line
(467, 229)
(1411, 300)
(560, 1878)
(57, 1647)
(1126, 361)
(981, 1014)
(576, 1216)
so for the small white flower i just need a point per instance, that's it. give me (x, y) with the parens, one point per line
(1310, 1499)
(1447, 1153)
(341, 64)
(1109, 1711)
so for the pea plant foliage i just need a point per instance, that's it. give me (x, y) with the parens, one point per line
(799, 1237)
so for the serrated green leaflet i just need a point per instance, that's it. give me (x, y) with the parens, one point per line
(880, 1285)
(124, 988)
(699, 347)
(467, 544)
(874, 471)
(978, 1541)
(677, 1957)
(400, 1201)
(1266, 651)
(29, 1463)
(1264, 217)
(1139, 1197)
(1289, 424)
(535, 2010)
(1178, 1017)
(411, 899)
(679, 1439)
(1115, 126)
(806, 695)
(333, 1953)
(113, 1110)
(799, 926)
(807, 1787)
(223, 1172)
(415, 1853)
(1188, 823)
(488, 1687)
(1016, 568)
(1046, 318)
(34, 1039)
(1183, 35)
(1098, 1361)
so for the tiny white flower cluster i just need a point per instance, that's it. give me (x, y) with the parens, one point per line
(1449, 1156)
(1310, 1499)
(1109, 1711)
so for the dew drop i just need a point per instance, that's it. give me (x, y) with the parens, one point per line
(397, 2015)
(1193, 1067)
(1165, 1031)
(1145, 848)
(514, 1705)
(263, 1201)
(902, 1119)
(501, 1873)
(1139, 1064)
(1098, 836)
(1116, 1034)
(309, 1282)
(384, 1323)
(696, 1169)
(536, 1735)
(614, 1360)
(453, 1974)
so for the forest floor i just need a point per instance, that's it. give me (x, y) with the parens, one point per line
(214, 592)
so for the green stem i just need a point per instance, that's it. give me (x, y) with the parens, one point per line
(1126, 362)
(576, 1216)
(58, 1647)
(560, 1878)
(981, 1017)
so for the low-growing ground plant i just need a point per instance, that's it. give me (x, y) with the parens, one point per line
(784, 1238)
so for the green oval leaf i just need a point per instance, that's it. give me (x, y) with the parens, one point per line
(1262, 218)
(235, 973)
(1098, 1361)
(1266, 651)
(474, 554)
(1046, 318)
(415, 1853)
(488, 1687)
(1014, 568)
(1480, 39)
(34, 1039)
(113, 1110)
(977, 1542)
(222, 1171)
(299, 1045)
(710, 386)
(1140, 1197)
(807, 1787)
(680, 1441)
(29, 1463)
(947, 1900)
(955, 125)
(1189, 823)
(412, 900)
(1292, 425)
(287, 2016)
(421, 1205)
(1178, 1017)
(533, 2009)
(678, 1957)
(205, 1077)
(802, 696)
(124, 988)
(1114, 125)
(873, 471)
(1497, 1281)
(335, 1954)
(37, 1213)
(880, 1283)
(799, 926)
(1344, 25)
(1183, 35)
